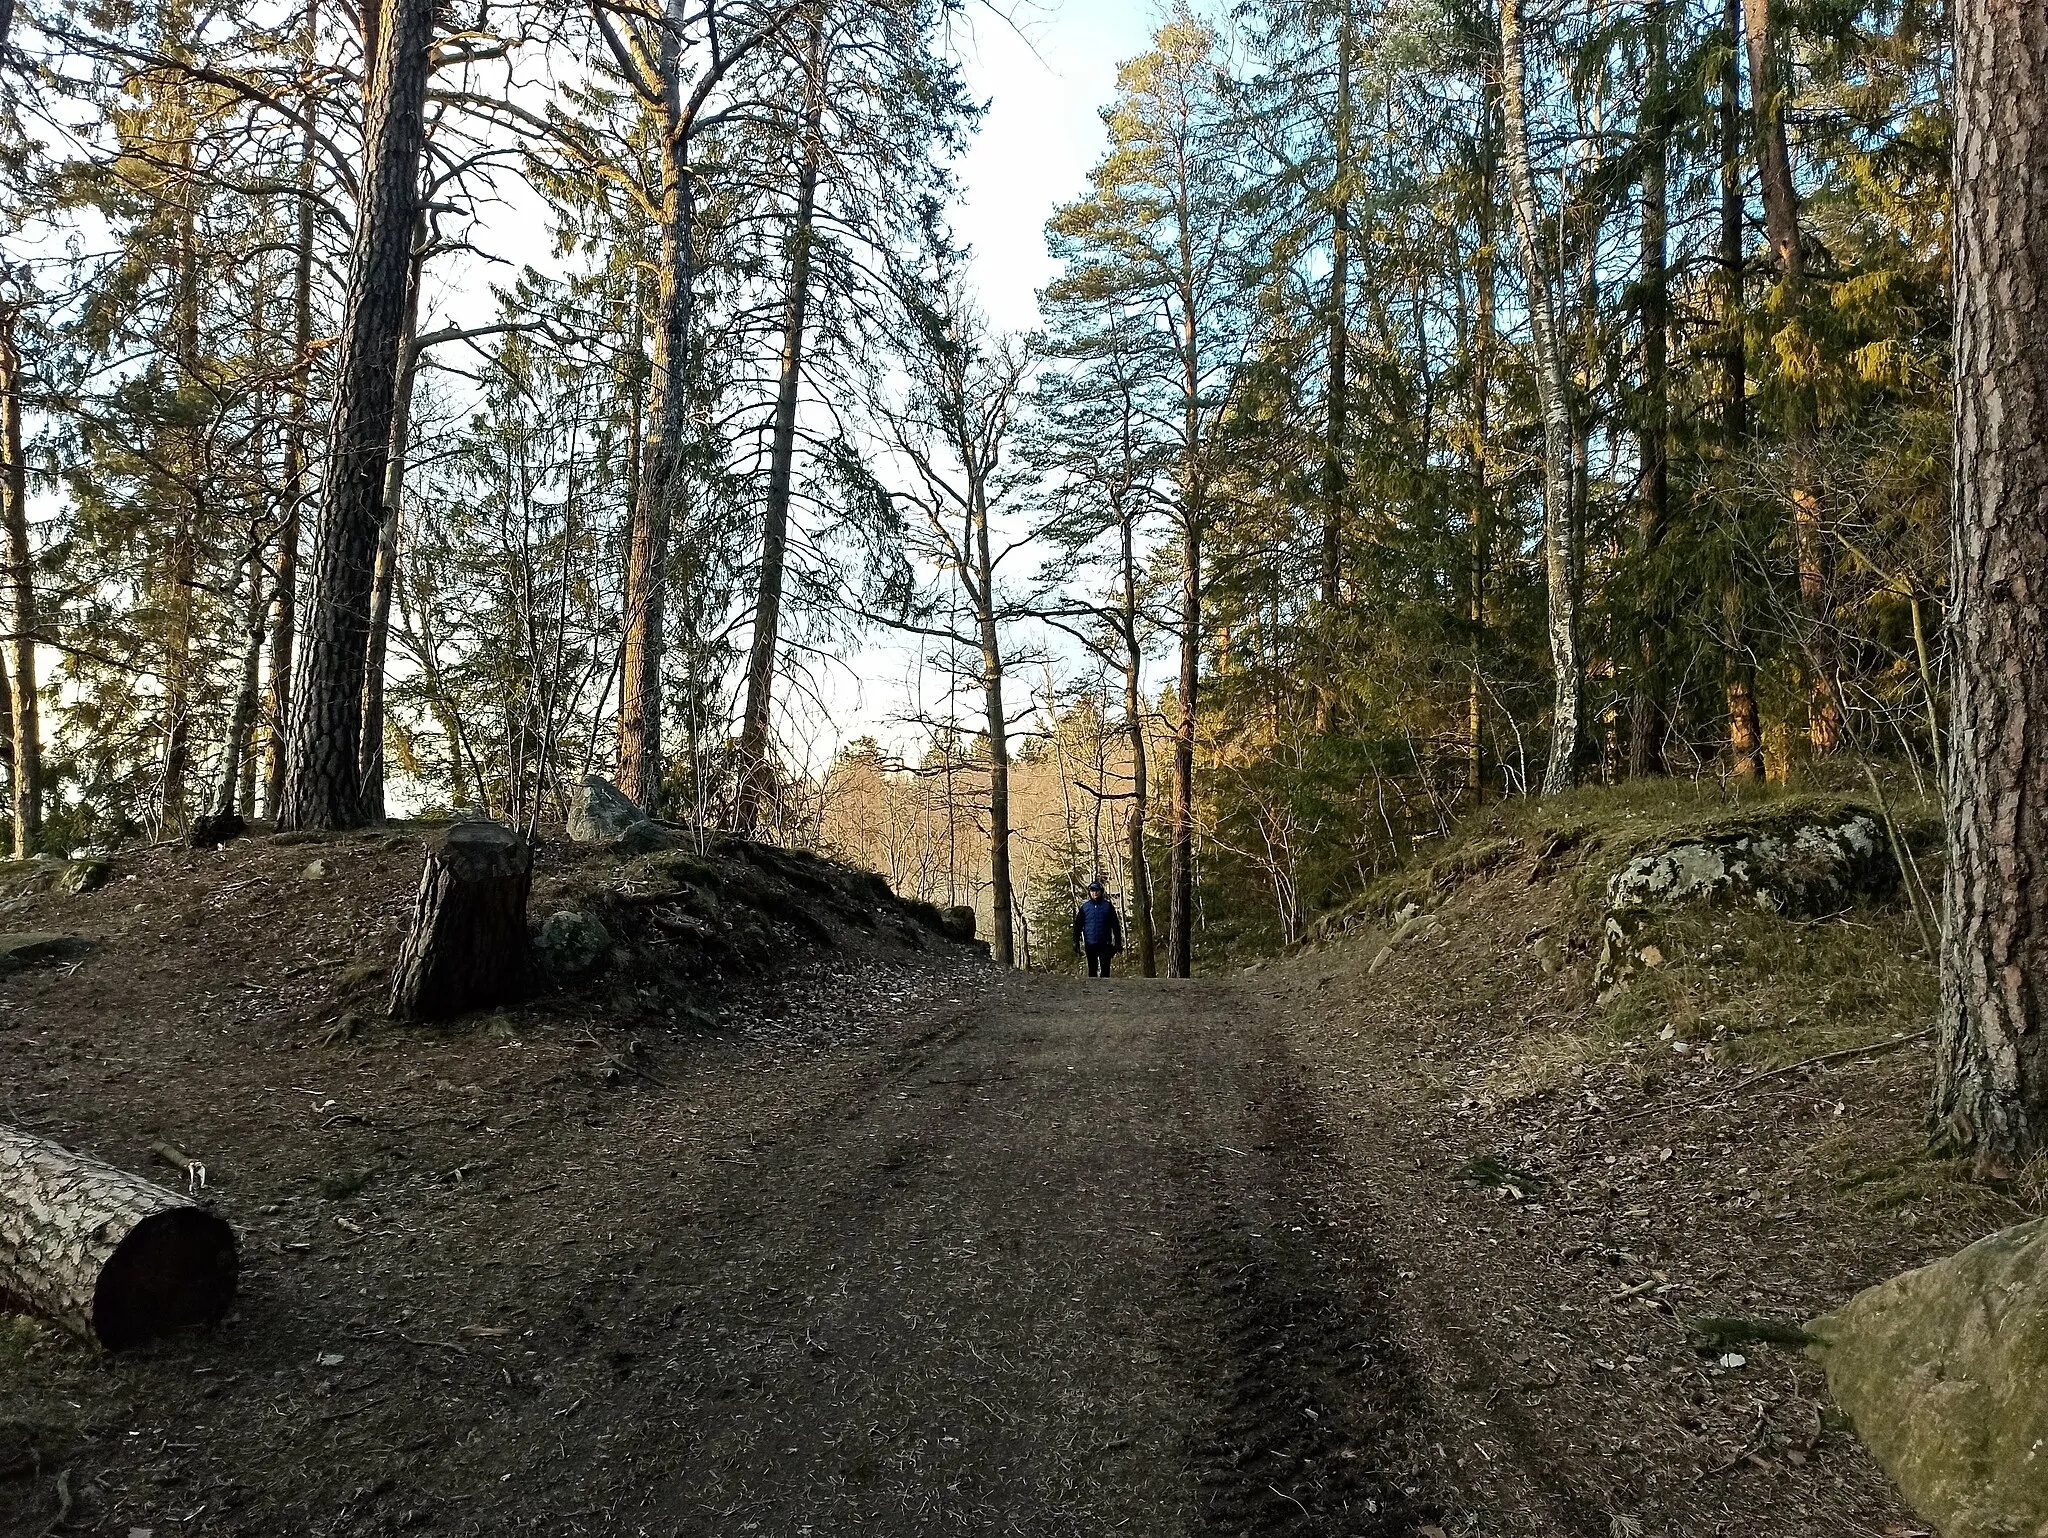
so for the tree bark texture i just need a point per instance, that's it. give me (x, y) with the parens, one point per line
(1992, 1056)
(386, 576)
(1559, 561)
(756, 781)
(323, 782)
(468, 947)
(284, 629)
(106, 1254)
(24, 723)
(655, 510)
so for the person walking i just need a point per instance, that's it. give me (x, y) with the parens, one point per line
(1098, 931)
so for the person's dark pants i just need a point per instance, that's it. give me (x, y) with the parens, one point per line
(1098, 960)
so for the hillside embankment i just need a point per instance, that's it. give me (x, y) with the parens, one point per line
(794, 1216)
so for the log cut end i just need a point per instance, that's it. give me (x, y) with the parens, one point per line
(175, 1269)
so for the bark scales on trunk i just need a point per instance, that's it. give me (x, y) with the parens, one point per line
(756, 772)
(323, 778)
(468, 948)
(106, 1254)
(1559, 561)
(1992, 1073)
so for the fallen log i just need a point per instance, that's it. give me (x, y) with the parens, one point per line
(107, 1254)
(468, 947)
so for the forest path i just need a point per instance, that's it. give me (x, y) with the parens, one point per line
(1065, 1271)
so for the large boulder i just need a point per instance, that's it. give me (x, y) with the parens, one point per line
(1799, 866)
(599, 811)
(1945, 1373)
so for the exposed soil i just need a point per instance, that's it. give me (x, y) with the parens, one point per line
(862, 1236)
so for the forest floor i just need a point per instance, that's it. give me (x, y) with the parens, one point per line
(878, 1240)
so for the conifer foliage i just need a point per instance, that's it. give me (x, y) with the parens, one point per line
(403, 406)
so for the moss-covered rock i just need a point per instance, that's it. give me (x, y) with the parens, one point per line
(1793, 865)
(1944, 1371)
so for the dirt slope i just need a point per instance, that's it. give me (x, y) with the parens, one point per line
(902, 1246)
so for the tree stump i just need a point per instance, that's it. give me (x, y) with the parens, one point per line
(105, 1253)
(469, 947)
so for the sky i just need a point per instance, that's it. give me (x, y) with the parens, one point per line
(1045, 80)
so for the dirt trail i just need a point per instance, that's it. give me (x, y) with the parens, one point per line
(1060, 1273)
(1016, 1255)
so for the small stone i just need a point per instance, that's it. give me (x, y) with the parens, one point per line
(317, 870)
(572, 945)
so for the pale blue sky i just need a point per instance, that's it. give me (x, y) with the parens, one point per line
(1043, 131)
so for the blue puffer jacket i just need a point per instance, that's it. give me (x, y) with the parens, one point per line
(1097, 924)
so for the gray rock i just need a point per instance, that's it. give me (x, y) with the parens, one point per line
(317, 870)
(1944, 1371)
(19, 952)
(957, 923)
(649, 837)
(81, 876)
(572, 944)
(599, 811)
(1801, 869)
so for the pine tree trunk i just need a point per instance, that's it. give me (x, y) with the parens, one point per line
(1559, 556)
(661, 485)
(109, 1256)
(180, 583)
(222, 821)
(1653, 512)
(1338, 402)
(468, 948)
(323, 784)
(1180, 941)
(25, 736)
(1745, 727)
(1139, 900)
(1783, 229)
(1992, 1065)
(284, 628)
(386, 576)
(755, 775)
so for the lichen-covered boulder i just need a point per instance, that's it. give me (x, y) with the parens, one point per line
(1796, 867)
(1944, 1371)
(599, 811)
(572, 944)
